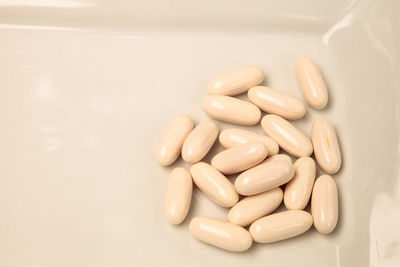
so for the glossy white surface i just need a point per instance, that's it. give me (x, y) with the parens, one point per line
(88, 87)
(221, 234)
(231, 109)
(178, 196)
(236, 82)
(288, 137)
(234, 136)
(326, 146)
(298, 190)
(199, 141)
(277, 102)
(240, 158)
(273, 172)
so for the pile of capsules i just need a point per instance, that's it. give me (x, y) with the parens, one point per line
(255, 156)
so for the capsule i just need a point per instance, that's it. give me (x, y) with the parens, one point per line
(273, 172)
(232, 110)
(251, 208)
(298, 190)
(324, 204)
(280, 226)
(214, 184)
(236, 82)
(326, 146)
(288, 137)
(235, 136)
(311, 83)
(240, 158)
(277, 102)
(170, 144)
(199, 141)
(178, 196)
(220, 234)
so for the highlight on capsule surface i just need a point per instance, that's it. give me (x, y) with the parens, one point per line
(236, 82)
(221, 234)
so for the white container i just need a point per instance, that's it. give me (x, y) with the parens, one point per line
(88, 86)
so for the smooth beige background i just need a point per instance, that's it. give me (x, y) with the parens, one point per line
(87, 87)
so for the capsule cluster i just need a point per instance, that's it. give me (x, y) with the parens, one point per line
(261, 169)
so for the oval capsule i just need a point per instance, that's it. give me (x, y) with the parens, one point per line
(199, 141)
(277, 102)
(220, 234)
(280, 226)
(311, 83)
(273, 172)
(170, 144)
(326, 146)
(214, 184)
(178, 196)
(235, 136)
(236, 82)
(230, 109)
(240, 158)
(288, 137)
(298, 190)
(324, 204)
(251, 208)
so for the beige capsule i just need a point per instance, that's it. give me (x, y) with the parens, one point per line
(221, 234)
(277, 102)
(311, 83)
(214, 184)
(178, 196)
(232, 110)
(240, 158)
(235, 136)
(298, 190)
(251, 208)
(324, 204)
(288, 137)
(326, 146)
(273, 172)
(236, 82)
(280, 226)
(170, 144)
(199, 141)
